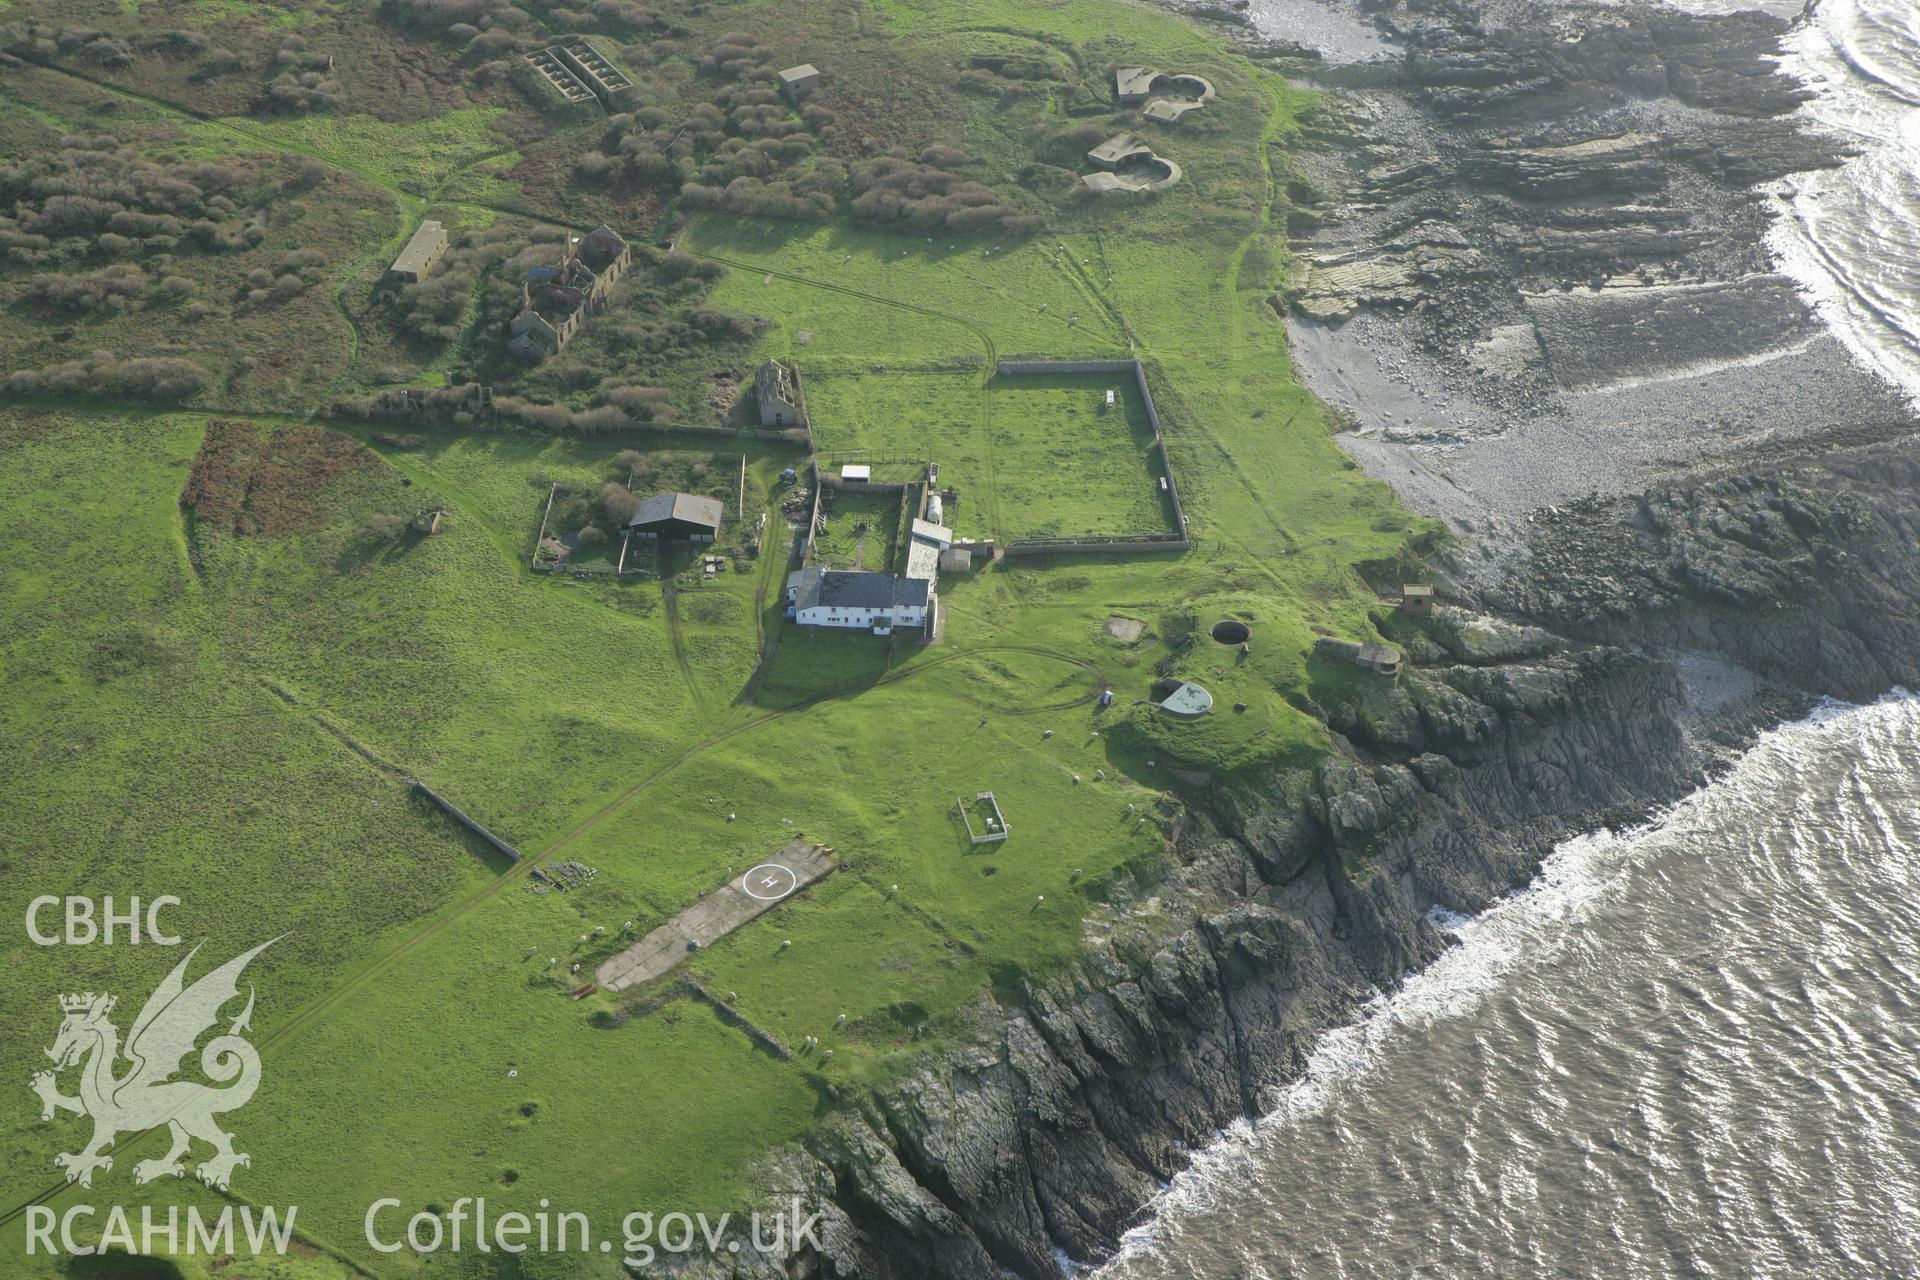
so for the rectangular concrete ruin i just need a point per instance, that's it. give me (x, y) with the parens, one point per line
(428, 242)
(579, 73)
(606, 81)
(557, 77)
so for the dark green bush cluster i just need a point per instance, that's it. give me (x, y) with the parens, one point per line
(490, 31)
(302, 83)
(111, 288)
(95, 198)
(164, 379)
(289, 277)
(738, 55)
(1010, 78)
(744, 152)
(610, 15)
(45, 42)
(446, 15)
(929, 192)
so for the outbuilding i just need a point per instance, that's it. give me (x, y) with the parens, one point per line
(429, 241)
(798, 82)
(677, 515)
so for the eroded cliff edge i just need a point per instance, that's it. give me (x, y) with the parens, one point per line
(1498, 166)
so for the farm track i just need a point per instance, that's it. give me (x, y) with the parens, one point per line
(678, 644)
(459, 911)
(456, 912)
(410, 202)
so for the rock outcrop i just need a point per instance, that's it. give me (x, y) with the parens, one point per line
(1294, 901)
(1522, 150)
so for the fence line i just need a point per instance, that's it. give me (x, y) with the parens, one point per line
(541, 536)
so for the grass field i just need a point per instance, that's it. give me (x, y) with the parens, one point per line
(1066, 465)
(221, 699)
(859, 529)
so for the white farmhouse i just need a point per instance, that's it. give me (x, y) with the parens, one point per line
(856, 600)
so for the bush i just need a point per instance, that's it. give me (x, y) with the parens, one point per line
(108, 289)
(895, 191)
(165, 379)
(618, 504)
(383, 526)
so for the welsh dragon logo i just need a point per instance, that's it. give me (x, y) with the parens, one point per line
(146, 1096)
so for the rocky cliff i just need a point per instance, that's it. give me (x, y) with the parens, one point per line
(1516, 152)
(1294, 900)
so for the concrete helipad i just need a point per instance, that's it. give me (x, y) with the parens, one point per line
(777, 877)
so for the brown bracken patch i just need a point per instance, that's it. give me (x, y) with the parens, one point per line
(256, 483)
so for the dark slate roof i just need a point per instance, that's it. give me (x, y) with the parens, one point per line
(690, 507)
(854, 589)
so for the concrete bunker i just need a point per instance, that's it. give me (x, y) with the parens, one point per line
(1128, 164)
(1187, 700)
(1167, 95)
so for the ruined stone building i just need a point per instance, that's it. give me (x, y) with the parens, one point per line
(556, 301)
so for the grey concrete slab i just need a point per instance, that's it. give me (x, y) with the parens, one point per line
(745, 897)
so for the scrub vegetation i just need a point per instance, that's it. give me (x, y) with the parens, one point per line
(227, 648)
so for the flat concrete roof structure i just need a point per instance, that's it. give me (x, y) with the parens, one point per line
(1188, 700)
(923, 560)
(1131, 84)
(858, 473)
(1168, 111)
(607, 82)
(798, 82)
(1156, 174)
(1119, 149)
(740, 900)
(429, 241)
(1132, 166)
(938, 534)
(1378, 658)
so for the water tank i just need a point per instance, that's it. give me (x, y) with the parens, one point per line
(933, 509)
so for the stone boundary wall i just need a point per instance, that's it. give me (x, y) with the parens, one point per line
(1115, 543)
(1177, 541)
(453, 811)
